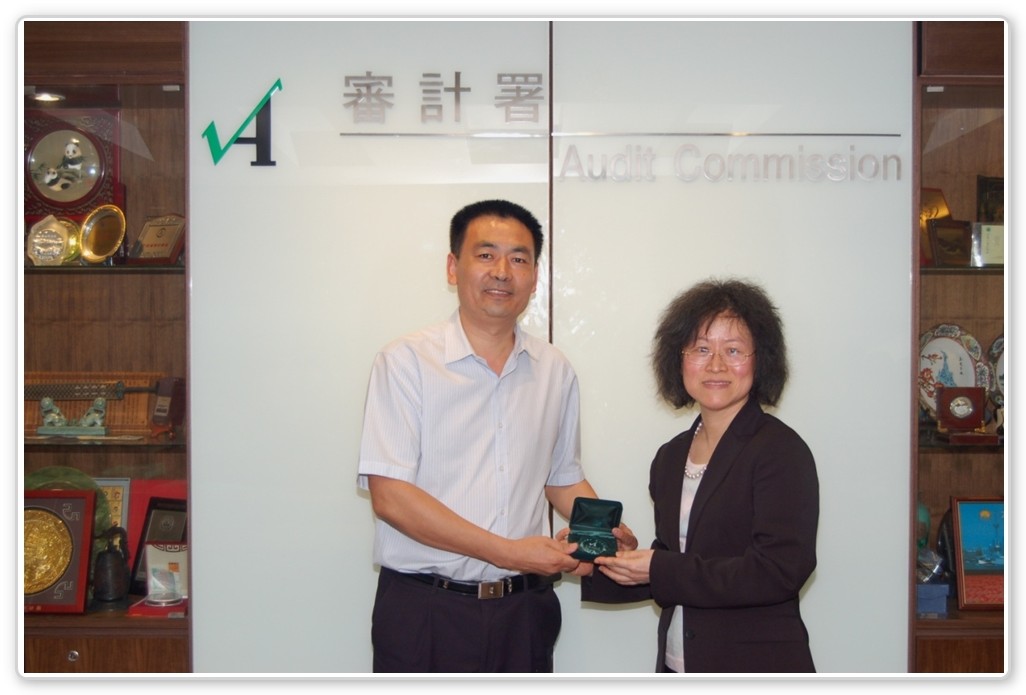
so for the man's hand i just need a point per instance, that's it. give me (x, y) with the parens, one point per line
(584, 569)
(625, 538)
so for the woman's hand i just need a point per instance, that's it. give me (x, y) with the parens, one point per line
(629, 567)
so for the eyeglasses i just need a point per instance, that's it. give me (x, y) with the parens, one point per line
(701, 356)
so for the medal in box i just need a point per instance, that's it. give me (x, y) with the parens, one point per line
(591, 526)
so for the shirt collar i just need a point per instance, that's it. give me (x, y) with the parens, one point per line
(457, 345)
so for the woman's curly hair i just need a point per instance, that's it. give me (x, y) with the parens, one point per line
(693, 310)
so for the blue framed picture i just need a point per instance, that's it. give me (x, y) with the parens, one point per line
(979, 529)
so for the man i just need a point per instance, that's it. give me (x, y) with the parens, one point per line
(471, 428)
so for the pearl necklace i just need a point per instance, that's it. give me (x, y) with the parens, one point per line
(698, 473)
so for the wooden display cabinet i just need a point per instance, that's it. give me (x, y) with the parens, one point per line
(106, 643)
(113, 316)
(959, 128)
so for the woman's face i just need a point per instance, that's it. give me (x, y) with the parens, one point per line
(717, 385)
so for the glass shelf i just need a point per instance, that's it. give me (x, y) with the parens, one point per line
(50, 444)
(105, 269)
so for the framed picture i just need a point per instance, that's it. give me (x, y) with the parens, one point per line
(72, 162)
(58, 527)
(990, 199)
(166, 521)
(932, 206)
(951, 242)
(988, 244)
(159, 242)
(142, 490)
(979, 537)
(117, 491)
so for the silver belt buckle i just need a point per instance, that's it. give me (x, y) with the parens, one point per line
(496, 589)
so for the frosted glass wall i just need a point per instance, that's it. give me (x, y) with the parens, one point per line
(300, 271)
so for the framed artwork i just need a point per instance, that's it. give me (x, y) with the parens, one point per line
(979, 539)
(951, 242)
(117, 491)
(72, 163)
(166, 521)
(988, 244)
(990, 199)
(142, 490)
(58, 527)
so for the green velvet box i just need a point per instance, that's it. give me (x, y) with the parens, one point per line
(591, 526)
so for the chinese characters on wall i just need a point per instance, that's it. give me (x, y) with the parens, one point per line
(371, 97)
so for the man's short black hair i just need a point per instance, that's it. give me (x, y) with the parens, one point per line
(497, 208)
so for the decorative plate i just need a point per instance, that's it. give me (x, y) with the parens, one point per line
(996, 356)
(65, 166)
(72, 161)
(949, 356)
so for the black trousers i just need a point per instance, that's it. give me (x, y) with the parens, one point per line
(418, 628)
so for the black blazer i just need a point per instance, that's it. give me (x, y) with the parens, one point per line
(751, 546)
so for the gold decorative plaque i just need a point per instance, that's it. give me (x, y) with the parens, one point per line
(48, 549)
(58, 534)
(47, 242)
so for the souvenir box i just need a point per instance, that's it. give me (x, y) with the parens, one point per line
(932, 599)
(591, 526)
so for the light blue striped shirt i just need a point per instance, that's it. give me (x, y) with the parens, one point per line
(483, 444)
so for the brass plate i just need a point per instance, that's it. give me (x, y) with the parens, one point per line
(48, 549)
(102, 233)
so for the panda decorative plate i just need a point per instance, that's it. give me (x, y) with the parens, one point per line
(65, 166)
(949, 356)
(71, 162)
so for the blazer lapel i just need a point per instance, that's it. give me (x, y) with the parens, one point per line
(733, 442)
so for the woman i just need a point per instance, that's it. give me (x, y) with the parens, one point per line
(736, 497)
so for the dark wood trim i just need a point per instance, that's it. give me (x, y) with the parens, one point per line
(109, 52)
(974, 48)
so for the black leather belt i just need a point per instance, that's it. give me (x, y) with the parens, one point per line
(485, 590)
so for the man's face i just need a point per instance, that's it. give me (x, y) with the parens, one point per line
(495, 274)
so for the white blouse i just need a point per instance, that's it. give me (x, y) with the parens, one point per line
(675, 637)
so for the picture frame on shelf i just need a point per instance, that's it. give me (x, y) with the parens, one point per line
(988, 245)
(990, 199)
(951, 242)
(118, 494)
(932, 206)
(72, 162)
(978, 524)
(58, 528)
(167, 521)
(160, 241)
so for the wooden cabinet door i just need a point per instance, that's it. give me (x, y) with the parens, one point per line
(962, 48)
(92, 654)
